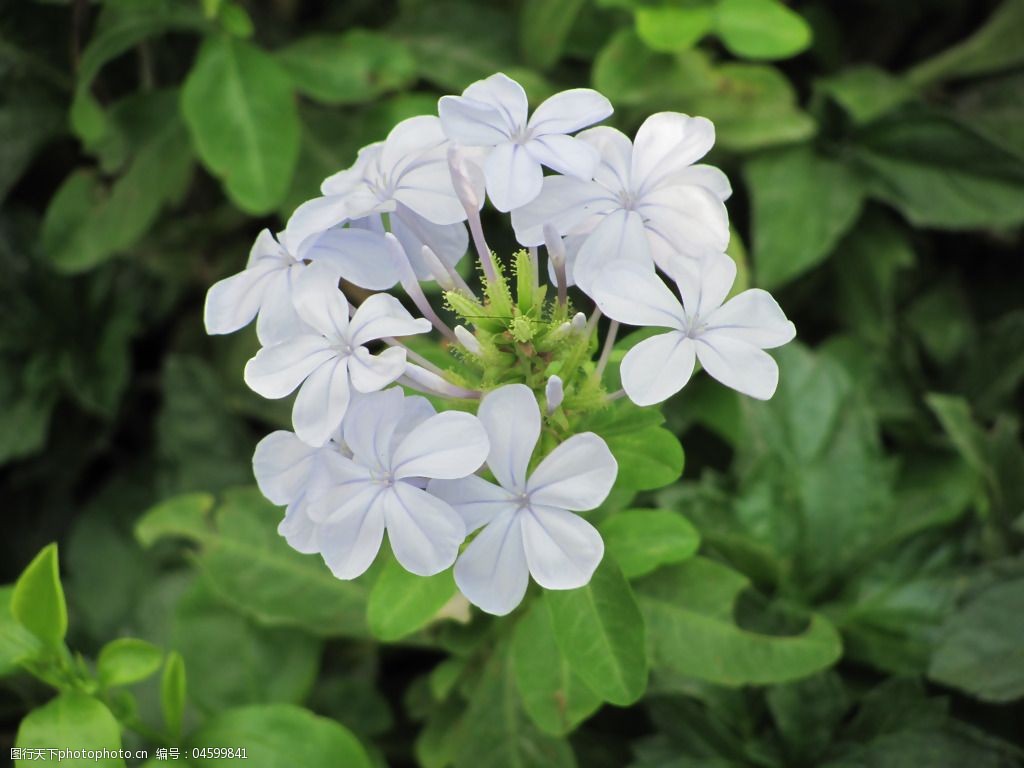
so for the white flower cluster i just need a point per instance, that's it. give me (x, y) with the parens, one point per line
(366, 458)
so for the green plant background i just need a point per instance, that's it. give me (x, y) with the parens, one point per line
(834, 580)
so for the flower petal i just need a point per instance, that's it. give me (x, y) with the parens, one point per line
(568, 111)
(410, 140)
(703, 283)
(666, 143)
(502, 92)
(446, 446)
(707, 176)
(281, 464)
(737, 364)
(562, 549)
(278, 321)
(321, 403)
(565, 154)
(492, 573)
(350, 538)
(578, 474)
(424, 531)
(233, 302)
(319, 301)
(369, 427)
(447, 241)
(313, 217)
(382, 315)
(299, 529)
(511, 416)
(426, 188)
(371, 373)
(352, 178)
(690, 219)
(657, 368)
(359, 255)
(616, 151)
(563, 202)
(754, 317)
(472, 123)
(415, 410)
(277, 370)
(476, 500)
(634, 294)
(514, 178)
(620, 237)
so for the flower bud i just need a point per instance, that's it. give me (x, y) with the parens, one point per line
(554, 393)
(467, 339)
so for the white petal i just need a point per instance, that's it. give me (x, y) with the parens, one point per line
(426, 188)
(371, 373)
(299, 529)
(233, 302)
(409, 140)
(502, 92)
(754, 317)
(634, 294)
(359, 255)
(276, 371)
(319, 302)
(666, 143)
(492, 573)
(703, 283)
(415, 410)
(345, 479)
(472, 123)
(447, 241)
(477, 501)
(513, 177)
(313, 217)
(738, 365)
(619, 237)
(511, 416)
(382, 315)
(568, 111)
(424, 531)
(690, 219)
(706, 176)
(563, 202)
(266, 246)
(278, 321)
(562, 549)
(446, 446)
(350, 538)
(321, 403)
(578, 474)
(616, 151)
(657, 368)
(370, 424)
(352, 178)
(281, 464)
(565, 155)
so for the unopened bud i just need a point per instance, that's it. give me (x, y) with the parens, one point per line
(467, 178)
(467, 339)
(437, 269)
(554, 392)
(579, 322)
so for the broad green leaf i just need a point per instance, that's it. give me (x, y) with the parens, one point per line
(173, 688)
(802, 204)
(631, 74)
(351, 68)
(239, 106)
(807, 713)
(543, 28)
(248, 564)
(981, 647)
(867, 92)
(650, 458)
(494, 732)
(280, 736)
(668, 28)
(939, 173)
(17, 644)
(25, 412)
(73, 720)
(401, 602)
(38, 600)
(953, 746)
(601, 633)
(992, 48)
(127, 660)
(688, 609)
(555, 697)
(954, 413)
(761, 29)
(643, 540)
(187, 516)
(993, 108)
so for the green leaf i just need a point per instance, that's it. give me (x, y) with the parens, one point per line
(867, 92)
(187, 516)
(280, 736)
(993, 108)
(643, 540)
(802, 204)
(688, 609)
(668, 28)
(555, 697)
(357, 66)
(173, 688)
(761, 29)
(401, 602)
(73, 720)
(239, 106)
(981, 647)
(992, 48)
(544, 26)
(127, 660)
(38, 600)
(601, 633)
(29, 118)
(630, 74)
(17, 644)
(939, 173)
(648, 459)
(954, 413)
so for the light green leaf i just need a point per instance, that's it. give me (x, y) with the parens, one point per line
(802, 204)
(867, 92)
(281, 736)
(127, 660)
(401, 602)
(239, 106)
(630, 74)
(187, 516)
(173, 688)
(357, 66)
(38, 600)
(17, 644)
(761, 29)
(648, 459)
(668, 28)
(643, 540)
(601, 633)
(688, 609)
(954, 413)
(543, 27)
(554, 696)
(73, 720)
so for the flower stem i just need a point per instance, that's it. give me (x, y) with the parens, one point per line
(609, 343)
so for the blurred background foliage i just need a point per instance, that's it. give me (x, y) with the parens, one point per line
(858, 596)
